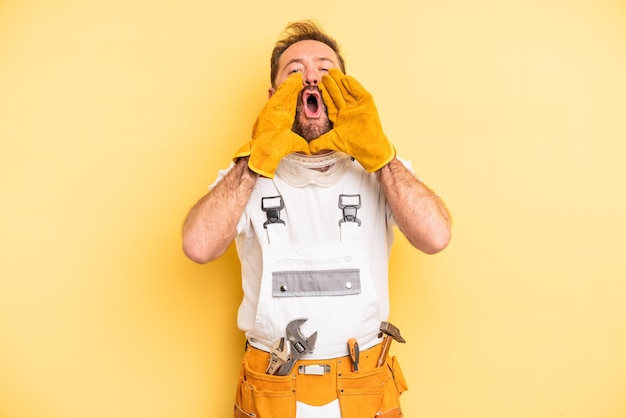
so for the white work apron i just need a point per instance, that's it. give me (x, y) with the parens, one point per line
(329, 284)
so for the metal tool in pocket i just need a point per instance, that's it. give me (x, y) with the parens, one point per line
(280, 354)
(300, 345)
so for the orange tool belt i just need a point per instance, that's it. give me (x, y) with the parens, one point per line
(369, 392)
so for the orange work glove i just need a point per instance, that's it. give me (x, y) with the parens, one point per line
(357, 130)
(272, 137)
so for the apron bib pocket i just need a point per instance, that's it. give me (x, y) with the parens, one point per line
(329, 284)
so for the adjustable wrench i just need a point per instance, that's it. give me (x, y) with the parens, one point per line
(300, 344)
(280, 354)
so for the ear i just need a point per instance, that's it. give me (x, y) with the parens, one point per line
(270, 92)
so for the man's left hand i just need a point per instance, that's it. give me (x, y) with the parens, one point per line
(357, 129)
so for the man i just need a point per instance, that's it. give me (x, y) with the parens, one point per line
(310, 202)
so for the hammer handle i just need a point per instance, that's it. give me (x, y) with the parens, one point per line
(384, 351)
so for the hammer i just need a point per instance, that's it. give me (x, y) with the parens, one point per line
(391, 333)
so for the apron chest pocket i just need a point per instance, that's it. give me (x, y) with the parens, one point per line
(335, 282)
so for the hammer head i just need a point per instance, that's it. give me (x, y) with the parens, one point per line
(391, 330)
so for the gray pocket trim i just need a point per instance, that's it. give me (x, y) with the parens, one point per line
(337, 282)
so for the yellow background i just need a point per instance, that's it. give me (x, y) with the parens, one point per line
(115, 116)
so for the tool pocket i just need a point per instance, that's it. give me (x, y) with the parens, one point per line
(372, 393)
(390, 406)
(262, 395)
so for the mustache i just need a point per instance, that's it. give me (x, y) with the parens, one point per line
(310, 88)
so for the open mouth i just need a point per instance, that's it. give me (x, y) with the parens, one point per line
(312, 102)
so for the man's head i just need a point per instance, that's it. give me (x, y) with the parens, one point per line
(304, 30)
(306, 49)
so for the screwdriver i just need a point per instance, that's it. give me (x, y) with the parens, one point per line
(353, 348)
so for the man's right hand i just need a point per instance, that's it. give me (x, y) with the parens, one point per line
(272, 137)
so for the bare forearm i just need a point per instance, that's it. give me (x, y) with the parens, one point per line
(211, 224)
(421, 215)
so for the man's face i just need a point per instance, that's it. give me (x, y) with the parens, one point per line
(313, 59)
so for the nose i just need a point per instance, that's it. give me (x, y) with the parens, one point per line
(311, 78)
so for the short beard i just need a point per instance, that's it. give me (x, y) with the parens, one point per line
(310, 129)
